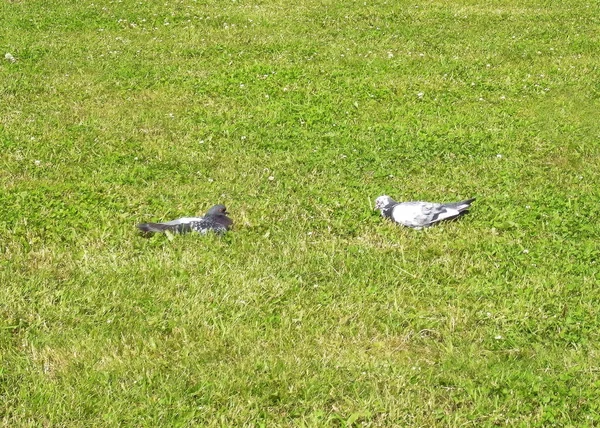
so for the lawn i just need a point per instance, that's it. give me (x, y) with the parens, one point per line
(313, 311)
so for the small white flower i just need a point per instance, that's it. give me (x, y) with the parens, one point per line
(488, 65)
(499, 156)
(210, 180)
(242, 85)
(37, 162)
(309, 233)
(499, 337)
(343, 156)
(481, 99)
(390, 176)
(9, 57)
(135, 158)
(285, 89)
(502, 97)
(271, 178)
(243, 137)
(420, 94)
(390, 55)
(527, 207)
(201, 141)
(525, 251)
(421, 54)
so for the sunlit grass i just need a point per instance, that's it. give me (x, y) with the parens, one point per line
(313, 311)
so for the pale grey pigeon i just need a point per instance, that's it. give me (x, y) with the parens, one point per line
(215, 220)
(418, 214)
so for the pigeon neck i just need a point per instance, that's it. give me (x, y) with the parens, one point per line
(387, 210)
(223, 219)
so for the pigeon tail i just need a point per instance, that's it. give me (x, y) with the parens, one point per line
(460, 206)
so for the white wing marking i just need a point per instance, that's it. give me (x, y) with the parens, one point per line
(450, 212)
(182, 220)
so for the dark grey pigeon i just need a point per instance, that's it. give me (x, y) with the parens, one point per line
(420, 214)
(215, 220)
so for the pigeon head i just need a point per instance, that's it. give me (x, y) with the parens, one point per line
(217, 210)
(383, 201)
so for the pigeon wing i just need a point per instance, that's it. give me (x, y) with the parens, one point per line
(422, 214)
(209, 223)
(180, 225)
(411, 214)
(441, 212)
(450, 211)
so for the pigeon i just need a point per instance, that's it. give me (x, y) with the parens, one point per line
(215, 220)
(418, 214)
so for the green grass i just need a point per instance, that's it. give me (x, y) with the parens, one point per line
(314, 311)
